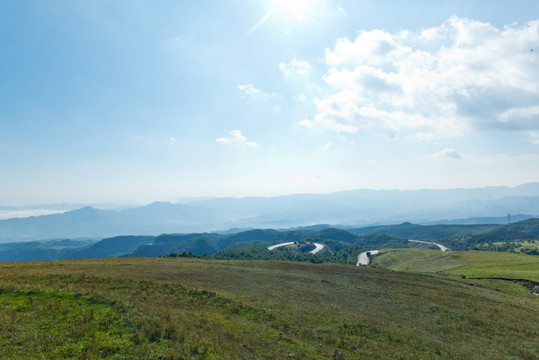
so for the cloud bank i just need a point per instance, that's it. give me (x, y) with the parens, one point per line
(461, 77)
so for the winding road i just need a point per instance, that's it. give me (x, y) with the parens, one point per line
(279, 245)
(318, 247)
(443, 248)
(363, 259)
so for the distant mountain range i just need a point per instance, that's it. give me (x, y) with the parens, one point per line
(249, 243)
(344, 209)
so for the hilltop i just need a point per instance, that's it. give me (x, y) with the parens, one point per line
(209, 309)
(462, 265)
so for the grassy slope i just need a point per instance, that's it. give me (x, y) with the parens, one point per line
(59, 325)
(192, 308)
(472, 264)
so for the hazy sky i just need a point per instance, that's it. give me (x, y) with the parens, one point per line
(156, 100)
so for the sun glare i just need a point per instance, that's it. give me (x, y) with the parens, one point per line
(294, 8)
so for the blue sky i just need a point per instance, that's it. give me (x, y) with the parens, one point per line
(142, 100)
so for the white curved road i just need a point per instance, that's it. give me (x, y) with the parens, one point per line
(279, 245)
(443, 248)
(363, 259)
(318, 247)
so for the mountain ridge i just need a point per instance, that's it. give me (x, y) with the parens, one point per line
(340, 245)
(351, 208)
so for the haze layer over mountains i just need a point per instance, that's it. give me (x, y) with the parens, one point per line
(347, 209)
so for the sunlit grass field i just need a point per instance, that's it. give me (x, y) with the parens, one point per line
(185, 308)
(470, 264)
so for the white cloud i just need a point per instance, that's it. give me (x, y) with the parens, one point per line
(249, 91)
(345, 140)
(10, 214)
(236, 137)
(172, 140)
(301, 67)
(460, 77)
(446, 153)
(306, 123)
(326, 146)
(252, 94)
(338, 112)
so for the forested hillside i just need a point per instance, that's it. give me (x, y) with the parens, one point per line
(340, 245)
(522, 236)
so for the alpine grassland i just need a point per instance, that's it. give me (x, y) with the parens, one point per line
(189, 308)
(467, 264)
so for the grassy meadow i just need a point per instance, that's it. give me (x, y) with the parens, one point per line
(185, 308)
(470, 264)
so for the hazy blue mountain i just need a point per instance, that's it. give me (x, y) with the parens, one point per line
(482, 220)
(315, 227)
(69, 206)
(353, 208)
(362, 207)
(85, 222)
(166, 243)
(501, 238)
(155, 218)
(414, 231)
(29, 251)
(40, 250)
(111, 247)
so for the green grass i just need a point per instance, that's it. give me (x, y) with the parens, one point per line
(493, 264)
(471, 264)
(418, 260)
(184, 308)
(66, 325)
